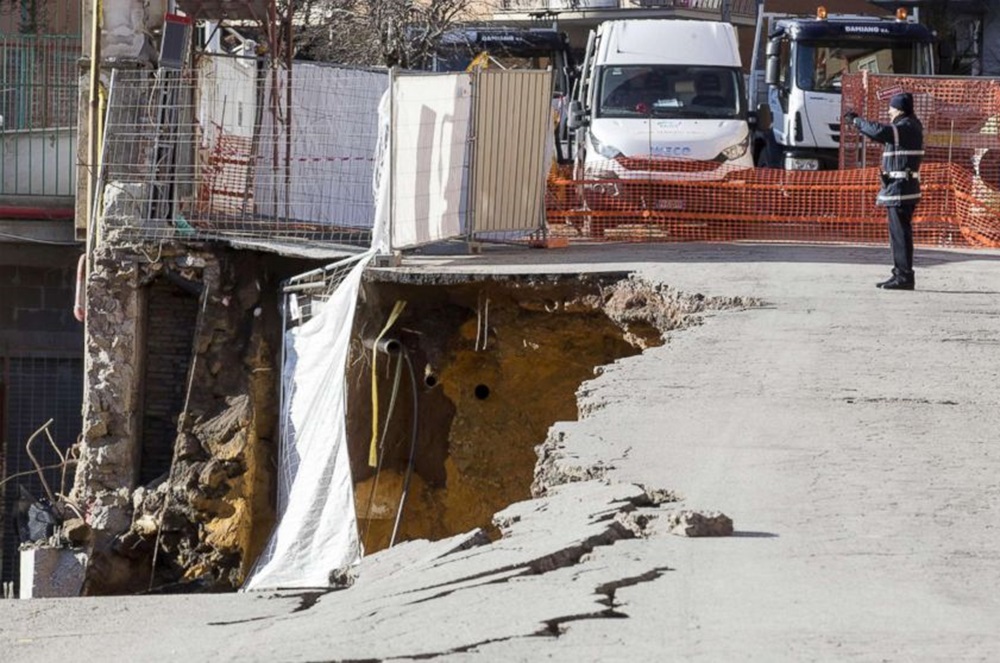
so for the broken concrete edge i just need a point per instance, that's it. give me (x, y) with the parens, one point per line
(51, 571)
(414, 275)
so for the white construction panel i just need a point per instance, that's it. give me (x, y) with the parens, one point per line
(324, 174)
(430, 135)
(513, 150)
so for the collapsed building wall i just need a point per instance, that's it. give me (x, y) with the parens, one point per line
(176, 469)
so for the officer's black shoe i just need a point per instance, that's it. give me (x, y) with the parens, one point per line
(899, 284)
(882, 284)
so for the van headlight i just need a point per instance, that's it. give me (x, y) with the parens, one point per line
(605, 150)
(735, 151)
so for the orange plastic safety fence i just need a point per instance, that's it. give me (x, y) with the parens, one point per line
(656, 199)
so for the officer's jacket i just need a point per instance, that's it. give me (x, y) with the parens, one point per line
(904, 150)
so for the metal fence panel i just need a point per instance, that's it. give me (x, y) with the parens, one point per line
(238, 150)
(428, 160)
(513, 150)
(34, 389)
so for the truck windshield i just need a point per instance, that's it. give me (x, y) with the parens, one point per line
(820, 65)
(674, 91)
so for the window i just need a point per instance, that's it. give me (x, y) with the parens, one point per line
(821, 65)
(669, 91)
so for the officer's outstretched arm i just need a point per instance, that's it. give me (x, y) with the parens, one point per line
(875, 130)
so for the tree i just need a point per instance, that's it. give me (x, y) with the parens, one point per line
(391, 33)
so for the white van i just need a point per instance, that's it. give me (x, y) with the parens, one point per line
(654, 91)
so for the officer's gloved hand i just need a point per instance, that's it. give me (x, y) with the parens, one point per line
(850, 116)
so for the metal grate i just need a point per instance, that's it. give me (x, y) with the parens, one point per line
(235, 149)
(35, 389)
(39, 90)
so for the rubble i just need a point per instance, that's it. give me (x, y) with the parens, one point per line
(700, 523)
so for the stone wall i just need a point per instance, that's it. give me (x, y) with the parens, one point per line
(204, 519)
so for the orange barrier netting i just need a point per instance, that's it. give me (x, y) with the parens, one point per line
(657, 199)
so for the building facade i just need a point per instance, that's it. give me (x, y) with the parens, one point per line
(41, 343)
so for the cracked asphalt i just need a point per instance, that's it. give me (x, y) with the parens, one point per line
(850, 433)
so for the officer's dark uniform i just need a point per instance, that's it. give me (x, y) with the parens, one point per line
(900, 192)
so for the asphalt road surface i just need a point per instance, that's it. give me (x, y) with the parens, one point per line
(850, 433)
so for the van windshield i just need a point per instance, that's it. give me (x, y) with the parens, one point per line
(674, 91)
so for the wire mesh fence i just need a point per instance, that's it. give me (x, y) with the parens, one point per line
(39, 89)
(760, 204)
(234, 148)
(656, 199)
(34, 389)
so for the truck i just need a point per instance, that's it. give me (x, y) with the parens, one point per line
(797, 94)
(655, 96)
(463, 47)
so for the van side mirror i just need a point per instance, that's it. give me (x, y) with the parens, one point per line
(577, 116)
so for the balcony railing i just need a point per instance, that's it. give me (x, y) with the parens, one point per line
(737, 8)
(39, 89)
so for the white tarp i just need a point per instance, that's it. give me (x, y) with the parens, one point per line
(327, 176)
(317, 532)
(317, 535)
(227, 97)
(430, 132)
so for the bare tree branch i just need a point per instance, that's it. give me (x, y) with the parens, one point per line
(390, 33)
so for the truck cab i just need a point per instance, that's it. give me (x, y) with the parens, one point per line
(462, 47)
(805, 60)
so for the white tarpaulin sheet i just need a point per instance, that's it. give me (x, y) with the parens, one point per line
(430, 132)
(334, 116)
(317, 533)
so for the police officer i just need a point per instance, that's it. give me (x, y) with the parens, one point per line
(904, 149)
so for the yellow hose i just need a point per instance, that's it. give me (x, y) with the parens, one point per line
(373, 446)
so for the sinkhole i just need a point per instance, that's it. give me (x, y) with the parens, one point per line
(467, 381)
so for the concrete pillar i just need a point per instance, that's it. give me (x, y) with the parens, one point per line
(125, 26)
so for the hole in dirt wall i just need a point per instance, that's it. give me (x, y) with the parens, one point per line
(495, 364)
(170, 322)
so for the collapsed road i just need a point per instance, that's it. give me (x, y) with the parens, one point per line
(848, 432)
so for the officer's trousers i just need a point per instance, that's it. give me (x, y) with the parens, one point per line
(901, 240)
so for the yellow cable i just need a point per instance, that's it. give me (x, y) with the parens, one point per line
(373, 447)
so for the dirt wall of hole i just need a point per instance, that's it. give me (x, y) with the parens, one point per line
(505, 359)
